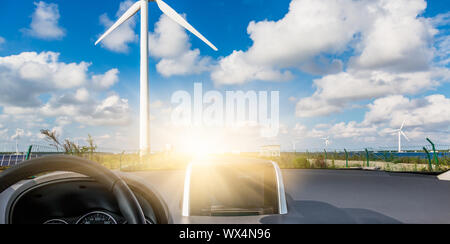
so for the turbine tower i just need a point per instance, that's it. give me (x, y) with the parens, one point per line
(144, 121)
(400, 133)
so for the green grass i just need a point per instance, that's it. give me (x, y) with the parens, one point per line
(132, 162)
(162, 161)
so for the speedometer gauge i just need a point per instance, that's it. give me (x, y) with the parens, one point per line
(97, 217)
(55, 222)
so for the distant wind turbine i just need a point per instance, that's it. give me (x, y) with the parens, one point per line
(144, 125)
(16, 137)
(400, 133)
(326, 140)
(17, 145)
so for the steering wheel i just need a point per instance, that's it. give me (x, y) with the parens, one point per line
(128, 204)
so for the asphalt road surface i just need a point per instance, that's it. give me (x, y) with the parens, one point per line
(334, 196)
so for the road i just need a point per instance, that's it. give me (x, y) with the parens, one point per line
(334, 196)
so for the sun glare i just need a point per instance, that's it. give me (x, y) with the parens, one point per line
(201, 143)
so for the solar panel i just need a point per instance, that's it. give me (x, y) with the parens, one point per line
(7, 160)
(1, 162)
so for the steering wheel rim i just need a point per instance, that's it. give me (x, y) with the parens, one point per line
(128, 204)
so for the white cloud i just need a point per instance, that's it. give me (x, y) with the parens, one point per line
(425, 117)
(112, 110)
(394, 55)
(431, 112)
(443, 50)
(351, 130)
(442, 43)
(4, 133)
(63, 121)
(121, 37)
(189, 62)
(334, 92)
(322, 126)
(16, 110)
(310, 28)
(106, 80)
(315, 106)
(44, 23)
(82, 95)
(300, 129)
(397, 39)
(19, 133)
(391, 50)
(441, 19)
(2, 41)
(27, 76)
(235, 69)
(323, 66)
(45, 67)
(169, 40)
(170, 43)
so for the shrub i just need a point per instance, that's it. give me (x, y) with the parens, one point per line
(320, 163)
(302, 163)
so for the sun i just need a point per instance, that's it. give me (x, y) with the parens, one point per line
(200, 142)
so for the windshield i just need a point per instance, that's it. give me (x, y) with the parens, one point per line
(308, 86)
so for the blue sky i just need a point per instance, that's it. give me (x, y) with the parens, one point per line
(350, 75)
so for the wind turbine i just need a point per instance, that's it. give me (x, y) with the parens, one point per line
(17, 145)
(144, 121)
(326, 140)
(400, 133)
(16, 137)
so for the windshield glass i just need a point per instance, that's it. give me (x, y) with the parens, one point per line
(307, 85)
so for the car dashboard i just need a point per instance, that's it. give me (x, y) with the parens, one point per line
(312, 196)
(73, 200)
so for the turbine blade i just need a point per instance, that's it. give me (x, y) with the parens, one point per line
(401, 127)
(167, 10)
(127, 15)
(404, 135)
